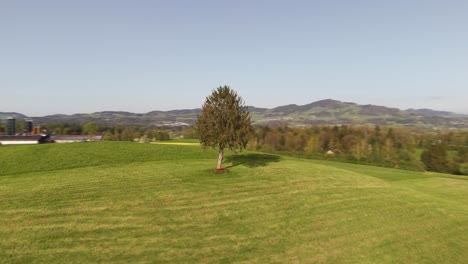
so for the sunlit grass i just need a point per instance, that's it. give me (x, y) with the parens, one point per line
(166, 204)
(176, 143)
(48, 157)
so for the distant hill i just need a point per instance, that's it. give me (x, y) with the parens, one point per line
(5, 115)
(430, 112)
(324, 112)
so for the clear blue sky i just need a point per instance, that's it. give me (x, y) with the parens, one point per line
(86, 56)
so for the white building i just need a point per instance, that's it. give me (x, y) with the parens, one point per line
(74, 138)
(23, 140)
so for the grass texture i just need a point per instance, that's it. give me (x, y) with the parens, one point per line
(115, 202)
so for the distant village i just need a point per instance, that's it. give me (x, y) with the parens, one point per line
(34, 135)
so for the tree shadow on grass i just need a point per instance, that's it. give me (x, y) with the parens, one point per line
(252, 160)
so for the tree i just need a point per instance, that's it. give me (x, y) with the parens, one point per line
(389, 152)
(224, 122)
(436, 158)
(313, 145)
(90, 129)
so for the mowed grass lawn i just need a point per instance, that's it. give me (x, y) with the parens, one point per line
(116, 202)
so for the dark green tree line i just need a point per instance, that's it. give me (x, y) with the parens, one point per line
(382, 146)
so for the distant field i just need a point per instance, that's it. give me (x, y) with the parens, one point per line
(115, 202)
(179, 142)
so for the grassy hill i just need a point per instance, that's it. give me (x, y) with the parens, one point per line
(115, 202)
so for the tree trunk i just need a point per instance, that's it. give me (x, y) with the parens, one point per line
(220, 158)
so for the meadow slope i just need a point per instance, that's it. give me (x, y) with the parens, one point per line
(115, 202)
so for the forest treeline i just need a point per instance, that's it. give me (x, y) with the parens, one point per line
(390, 147)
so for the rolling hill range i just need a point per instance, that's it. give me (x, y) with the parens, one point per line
(121, 202)
(328, 111)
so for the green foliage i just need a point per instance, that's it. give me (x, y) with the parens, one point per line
(464, 168)
(225, 121)
(139, 203)
(390, 147)
(63, 128)
(190, 134)
(90, 128)
(462, 155)
(357, 144)
(158, 135)
(435, 158)
(126, 133)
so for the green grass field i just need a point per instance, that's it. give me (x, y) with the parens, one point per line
(116, 202)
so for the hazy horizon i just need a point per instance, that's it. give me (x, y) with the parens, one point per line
(66, 57)
(122, 110)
